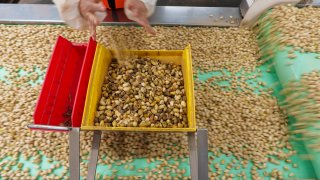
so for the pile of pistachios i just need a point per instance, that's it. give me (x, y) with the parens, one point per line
(143, 93)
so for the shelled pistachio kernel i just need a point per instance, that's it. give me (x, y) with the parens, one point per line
(20, 165)
(131, 168)
(144, 93)
(288, 161)
(292, 56)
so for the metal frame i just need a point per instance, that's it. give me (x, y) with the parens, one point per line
(74, 153)
(49, 127)
(197, 142)
(198, 150)
(304, 3)
(94, 155)
(163, 15)
(202, 147)
(244, 6)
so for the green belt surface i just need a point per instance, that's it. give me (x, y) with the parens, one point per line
(291, 70)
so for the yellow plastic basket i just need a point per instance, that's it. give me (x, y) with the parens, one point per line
(100, 67)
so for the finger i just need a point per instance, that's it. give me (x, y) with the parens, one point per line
(92, 18)
(94, 7)
(137, 11)
(94, 35)
(150, 30)
(134, 13)
(145, 23)
(142, 21)
(92, 29)
(92, 22)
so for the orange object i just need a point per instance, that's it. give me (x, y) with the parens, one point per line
(113, 4)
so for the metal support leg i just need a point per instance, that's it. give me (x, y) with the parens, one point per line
(202, 140)
(198, 148)
(94, 155)
(74, 153)
(193, 151)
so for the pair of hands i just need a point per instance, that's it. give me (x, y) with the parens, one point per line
(139, 12)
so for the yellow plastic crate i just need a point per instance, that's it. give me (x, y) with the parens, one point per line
(100, 67)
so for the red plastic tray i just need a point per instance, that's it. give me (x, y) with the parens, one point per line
(63, 92)
(83, 84)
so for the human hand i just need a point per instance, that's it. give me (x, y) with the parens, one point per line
(88, 10)
(137, 11)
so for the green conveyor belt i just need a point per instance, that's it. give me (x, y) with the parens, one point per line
(291, 69)
(304, 171)
(287, 69)
(303, 63)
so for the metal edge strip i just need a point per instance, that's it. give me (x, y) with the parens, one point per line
(164, 15)
(49, 127)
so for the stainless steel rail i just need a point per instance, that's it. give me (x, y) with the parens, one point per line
(164, 15)
(49, 127)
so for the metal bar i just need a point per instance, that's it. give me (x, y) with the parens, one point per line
(245, 5)
(313, 4)
(48, 127)
(202, 142)
(94, 155)
(74, 153)
(163, 15)
(196, 16)
(192, 142)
